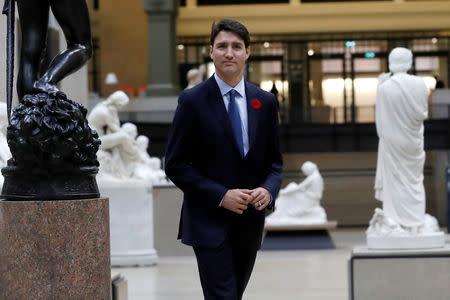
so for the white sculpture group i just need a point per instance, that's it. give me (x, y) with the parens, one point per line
(122, 154)
(299, 204)
(401, 108)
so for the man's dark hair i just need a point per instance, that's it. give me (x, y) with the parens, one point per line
(232, 26)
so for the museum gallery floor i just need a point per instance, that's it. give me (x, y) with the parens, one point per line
(287, 275)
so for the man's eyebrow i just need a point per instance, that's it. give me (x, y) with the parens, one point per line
(233, 43)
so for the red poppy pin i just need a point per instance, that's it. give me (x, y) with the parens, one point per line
(256, 104)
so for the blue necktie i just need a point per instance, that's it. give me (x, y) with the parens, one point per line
(235, 119)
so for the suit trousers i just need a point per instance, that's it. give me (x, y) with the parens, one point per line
(225, 270)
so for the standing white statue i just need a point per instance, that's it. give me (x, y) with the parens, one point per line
(120, 154)
(299, 204)
(401, 108)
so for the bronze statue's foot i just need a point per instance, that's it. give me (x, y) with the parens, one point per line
(49, 89)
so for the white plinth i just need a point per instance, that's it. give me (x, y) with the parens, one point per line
(425, 241)
(330, 225)
(131, 221)
(304, 221)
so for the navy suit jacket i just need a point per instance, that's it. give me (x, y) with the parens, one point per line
(204, 161)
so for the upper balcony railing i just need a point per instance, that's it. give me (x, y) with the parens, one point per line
(234, 2)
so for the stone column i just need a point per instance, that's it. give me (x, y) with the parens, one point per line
(297, 77)
(161, 16)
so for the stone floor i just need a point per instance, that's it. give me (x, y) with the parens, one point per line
(278, 275)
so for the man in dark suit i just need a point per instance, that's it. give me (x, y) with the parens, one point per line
(223, 154)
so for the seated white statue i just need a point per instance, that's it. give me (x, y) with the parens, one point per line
(120, 154)
(299, 204)
(106, 113)
(113, 151)
(401, 108)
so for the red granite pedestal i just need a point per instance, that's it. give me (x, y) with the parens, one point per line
(55, 249)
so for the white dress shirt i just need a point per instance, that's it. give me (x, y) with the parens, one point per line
(241, 101)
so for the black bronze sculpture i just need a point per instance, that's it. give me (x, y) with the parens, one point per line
(73, 17)
(53, 149)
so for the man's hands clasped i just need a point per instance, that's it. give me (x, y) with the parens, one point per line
(237, 200)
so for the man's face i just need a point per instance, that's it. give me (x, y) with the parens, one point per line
(229, 55)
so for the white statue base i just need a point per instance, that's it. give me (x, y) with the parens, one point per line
(314, 216)
(425, 241)
(384, 233)
(131, 221)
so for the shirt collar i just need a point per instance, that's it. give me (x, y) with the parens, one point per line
(225, 88)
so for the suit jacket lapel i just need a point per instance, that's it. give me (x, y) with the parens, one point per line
(253, 115)
(219, 110)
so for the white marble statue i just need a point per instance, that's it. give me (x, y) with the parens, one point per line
(120, 155)
(195, 76)
(401, 108)
(104, 117)
(5, 154)
(148, 167)
(299, 204)
(141, 165)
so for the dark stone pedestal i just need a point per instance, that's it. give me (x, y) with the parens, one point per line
(55, 249)
(19, 186)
